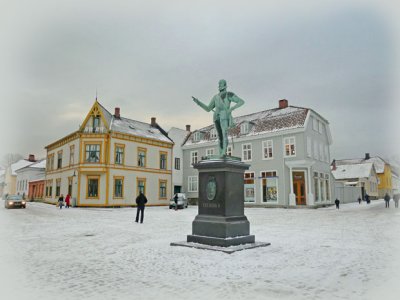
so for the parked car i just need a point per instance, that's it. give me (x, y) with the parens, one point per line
(14, 201)
(182, 201)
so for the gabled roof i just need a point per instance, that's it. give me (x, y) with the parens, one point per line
(352, 171)
(378, 162)
(40, 164)
(271, 120)
(19, 165)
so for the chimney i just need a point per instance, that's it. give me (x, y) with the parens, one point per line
(117, 114)
(153, 122)
(283, 103)
(188, 128)
(31, 157)
(333, 165)
(367, 156)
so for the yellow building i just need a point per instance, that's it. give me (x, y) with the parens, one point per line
(109, 160)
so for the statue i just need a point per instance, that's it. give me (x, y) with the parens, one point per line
(220, 104)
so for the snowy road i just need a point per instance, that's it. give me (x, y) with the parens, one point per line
(47, 253)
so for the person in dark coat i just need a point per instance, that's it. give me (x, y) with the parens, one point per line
(176, 201)
(367, 198)
(387, 199)
(359, 200)
(337, 202)
(67, 201)
(141, 201)
(61, 201)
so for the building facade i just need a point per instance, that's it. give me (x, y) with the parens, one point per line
(109, 160)
(287, 149)
(11, 185)
(33, 172)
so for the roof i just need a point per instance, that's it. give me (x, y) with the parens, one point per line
(351, 171)
(272, 120)
(19, 165)
(40, 164)
(378, 162)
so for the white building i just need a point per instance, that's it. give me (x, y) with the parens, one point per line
(33, 172)
(11, 186)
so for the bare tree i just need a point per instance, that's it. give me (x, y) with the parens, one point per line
(10, 158)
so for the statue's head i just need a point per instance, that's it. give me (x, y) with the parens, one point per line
(222, 85)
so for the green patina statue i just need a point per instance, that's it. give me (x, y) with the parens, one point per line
(220, 104)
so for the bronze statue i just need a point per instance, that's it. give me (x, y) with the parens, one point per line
(220, 104)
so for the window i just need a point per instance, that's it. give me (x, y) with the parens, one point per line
(92, 153)
(162, 189)
(177, 163)
(93, 187)
(213, 133)
(71, 155)
(192, 184)
(141, 185)
(96, 123)
(316, 187)
(142, 157)
(315, 124)
(249, 187)
(50, 162)
(58, 187)
(59, 159)
(118, 187)
(197, 136)
(119, 154)
(193, 157)
(290, 146)
(244, 128)
(246, 152)
(267, 149)
(209, 152)
(229, 151)
(70, 186)
(269, 184)
(163, 160)
(49, 188)
(309, 147)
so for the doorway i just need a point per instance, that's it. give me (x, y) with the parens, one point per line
(299, 187)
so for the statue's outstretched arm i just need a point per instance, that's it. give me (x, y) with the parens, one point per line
(239, 102)
(207, 108)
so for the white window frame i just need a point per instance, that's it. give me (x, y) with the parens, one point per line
(309, 147)
(266, 145)
(213, 133)
(194, 154)
(261, 185)
(210, 151)
(197, 136)
(244, 128)
(288, 141)
(191, 181)
(247, 151)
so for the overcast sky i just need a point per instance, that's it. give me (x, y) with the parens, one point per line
(339, 58)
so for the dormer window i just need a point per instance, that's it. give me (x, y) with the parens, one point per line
(213, 133)
(96, 123)
(197, 136)
(245, 128)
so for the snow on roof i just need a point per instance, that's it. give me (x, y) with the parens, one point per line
(378, 162)
(351, 171)
(266, 121)
(39, 164)
(137, 128)
(19, 165)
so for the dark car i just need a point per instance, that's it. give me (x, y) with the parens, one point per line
(182, 201)
(14, 201)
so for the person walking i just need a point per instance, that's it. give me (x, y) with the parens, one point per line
(141, 201)
(367, 198)
(359, 200)
(67, 201)
(396, 200)
(176, 201)
(61, 201)
(337, 202)
(387, 199)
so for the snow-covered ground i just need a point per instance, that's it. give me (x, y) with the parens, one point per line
(47, 253)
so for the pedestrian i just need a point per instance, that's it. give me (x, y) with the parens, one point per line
(359, 200)
(61, 201)
(396, 200)
(337, 202)
(141, 201)
(367, 198)
(176, 201)
(67, 201)
(387, 199)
